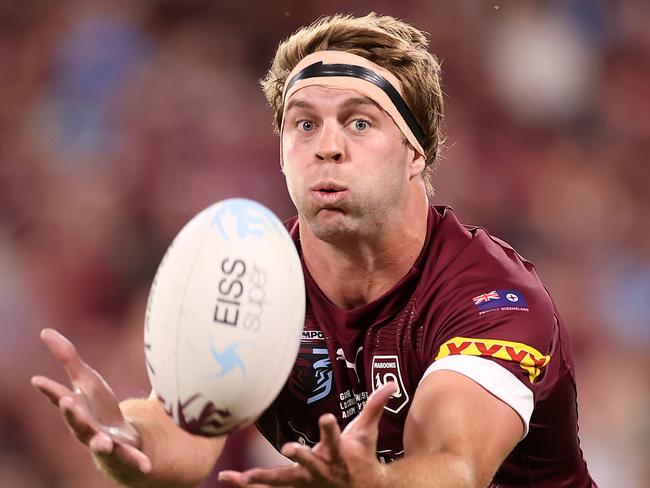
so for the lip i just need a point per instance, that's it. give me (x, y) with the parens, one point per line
(327, 199)
(328, 193)
(328, 187)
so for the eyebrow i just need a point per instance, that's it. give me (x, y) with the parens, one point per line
(350, 102)
(298, 103)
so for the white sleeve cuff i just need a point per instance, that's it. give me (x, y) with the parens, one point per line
(494, 378)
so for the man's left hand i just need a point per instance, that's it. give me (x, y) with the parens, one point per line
(345, 459)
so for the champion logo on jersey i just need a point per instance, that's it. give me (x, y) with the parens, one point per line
(500, 300)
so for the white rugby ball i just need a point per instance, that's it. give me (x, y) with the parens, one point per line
(224, 317)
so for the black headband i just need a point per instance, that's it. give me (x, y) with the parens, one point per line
(319, 69)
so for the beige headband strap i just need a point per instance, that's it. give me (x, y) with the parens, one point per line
(340, 69)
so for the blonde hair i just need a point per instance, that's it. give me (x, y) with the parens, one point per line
(384, 40)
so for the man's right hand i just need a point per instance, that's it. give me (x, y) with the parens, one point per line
(91, 410)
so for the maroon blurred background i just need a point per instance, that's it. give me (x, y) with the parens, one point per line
(120, 120)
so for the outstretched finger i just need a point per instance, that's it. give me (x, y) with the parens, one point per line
(330, 434)
(106, 449)
(374, 407)
(78, 419)
(282, 476)
(133, 457)
(240, 480)
(51, 389)
(307, 458)
(101, 444)
(233, 478)
(64, 352)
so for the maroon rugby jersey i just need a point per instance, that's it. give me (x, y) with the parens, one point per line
(470, 303)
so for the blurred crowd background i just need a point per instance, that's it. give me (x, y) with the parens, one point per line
(120, 120)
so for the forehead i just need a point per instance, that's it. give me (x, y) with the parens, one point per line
(315, 97)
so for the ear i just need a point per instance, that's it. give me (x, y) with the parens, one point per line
(417, 162)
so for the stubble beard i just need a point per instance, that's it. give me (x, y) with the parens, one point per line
(344, 225)
(358, 218)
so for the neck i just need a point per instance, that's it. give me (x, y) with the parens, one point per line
(351, 275)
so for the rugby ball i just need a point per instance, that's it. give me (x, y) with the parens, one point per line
(224, 317)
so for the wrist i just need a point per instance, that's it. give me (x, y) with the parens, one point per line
(381, 477)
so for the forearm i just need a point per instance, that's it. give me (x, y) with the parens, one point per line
(178, 458)
(431, 470)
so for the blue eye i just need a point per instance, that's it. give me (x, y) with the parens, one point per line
(306, 125)
(361, 124)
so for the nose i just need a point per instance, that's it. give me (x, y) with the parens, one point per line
(329, 144)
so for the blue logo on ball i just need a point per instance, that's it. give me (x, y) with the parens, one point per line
(228, 359)
(251, 219)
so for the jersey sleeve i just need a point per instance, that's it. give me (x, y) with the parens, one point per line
(492, 320)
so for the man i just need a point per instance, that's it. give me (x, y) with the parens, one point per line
(443, 334)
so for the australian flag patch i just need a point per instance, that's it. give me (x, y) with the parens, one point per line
(500, 300)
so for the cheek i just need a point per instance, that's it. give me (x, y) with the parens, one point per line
(293, 181)
(291, 186)
(293, 160)
(390, 170)
(291, 149)
(289, 176)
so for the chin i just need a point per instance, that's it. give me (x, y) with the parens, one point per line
(332, 225)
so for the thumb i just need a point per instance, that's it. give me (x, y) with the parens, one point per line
(374, 407)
